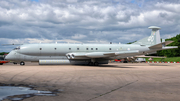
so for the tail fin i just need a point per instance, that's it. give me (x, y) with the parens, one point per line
(153, 39)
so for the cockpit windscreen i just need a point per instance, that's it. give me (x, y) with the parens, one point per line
(17, 48)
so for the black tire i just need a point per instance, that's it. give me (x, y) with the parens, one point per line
(125, 62)
(1, 63)
(22, 63)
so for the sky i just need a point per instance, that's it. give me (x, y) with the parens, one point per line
(85, 21)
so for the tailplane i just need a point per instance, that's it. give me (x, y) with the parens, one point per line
(153, 39)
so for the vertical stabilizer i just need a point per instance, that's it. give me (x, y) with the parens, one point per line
(153, 39)
(156, 34)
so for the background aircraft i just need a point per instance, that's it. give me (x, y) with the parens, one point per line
(91, 54)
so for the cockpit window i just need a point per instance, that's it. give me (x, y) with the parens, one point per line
(17, 48)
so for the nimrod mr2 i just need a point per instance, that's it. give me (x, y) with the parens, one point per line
(91, 54)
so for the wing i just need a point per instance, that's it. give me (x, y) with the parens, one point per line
(100, 54)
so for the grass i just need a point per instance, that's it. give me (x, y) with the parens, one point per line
(170, 59)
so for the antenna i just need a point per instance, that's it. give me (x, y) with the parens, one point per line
(154, 28)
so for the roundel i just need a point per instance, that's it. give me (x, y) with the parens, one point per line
(151, 38)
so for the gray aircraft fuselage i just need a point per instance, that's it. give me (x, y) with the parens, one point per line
(35, 52)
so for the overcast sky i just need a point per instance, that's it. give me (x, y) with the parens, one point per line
(87, 21)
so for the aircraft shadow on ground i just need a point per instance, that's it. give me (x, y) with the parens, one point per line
(114, 66)
(158, 65)
(106, 66)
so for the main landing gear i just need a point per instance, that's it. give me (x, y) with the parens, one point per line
(93, 63)
(22, 63)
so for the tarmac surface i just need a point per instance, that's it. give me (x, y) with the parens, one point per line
(112, 82)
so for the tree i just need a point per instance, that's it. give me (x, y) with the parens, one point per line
(2, 53)
(171, 52)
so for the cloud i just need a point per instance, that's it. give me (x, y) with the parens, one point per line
(86, 20)
(78, 36)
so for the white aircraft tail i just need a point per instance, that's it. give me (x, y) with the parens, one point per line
(153, 39)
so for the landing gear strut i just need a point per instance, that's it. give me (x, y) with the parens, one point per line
(93, 64)
(22, 63)
(90, 63)
(96, 63)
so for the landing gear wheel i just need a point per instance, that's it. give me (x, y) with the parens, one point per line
(96, 63)
(125, 61)
(22, 63)
(90, 63)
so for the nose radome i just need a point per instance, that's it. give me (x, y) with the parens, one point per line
(10, 56)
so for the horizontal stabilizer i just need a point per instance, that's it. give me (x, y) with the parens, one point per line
(170, 47)
(157, 46)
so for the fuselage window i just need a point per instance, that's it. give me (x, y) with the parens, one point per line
(86, 48)
(96, 48)
(91, 48)
(69, 48)
(18, 48)
(77, 48)
(40, 48)
(109, 48)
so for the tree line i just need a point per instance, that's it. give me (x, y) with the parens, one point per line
(2, 53)
(171, 52)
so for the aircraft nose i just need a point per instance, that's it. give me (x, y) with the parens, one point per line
(10, 56)
(7, 57)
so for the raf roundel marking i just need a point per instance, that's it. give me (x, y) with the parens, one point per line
(151, 38)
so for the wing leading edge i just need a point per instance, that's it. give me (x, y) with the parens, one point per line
(100, 54)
